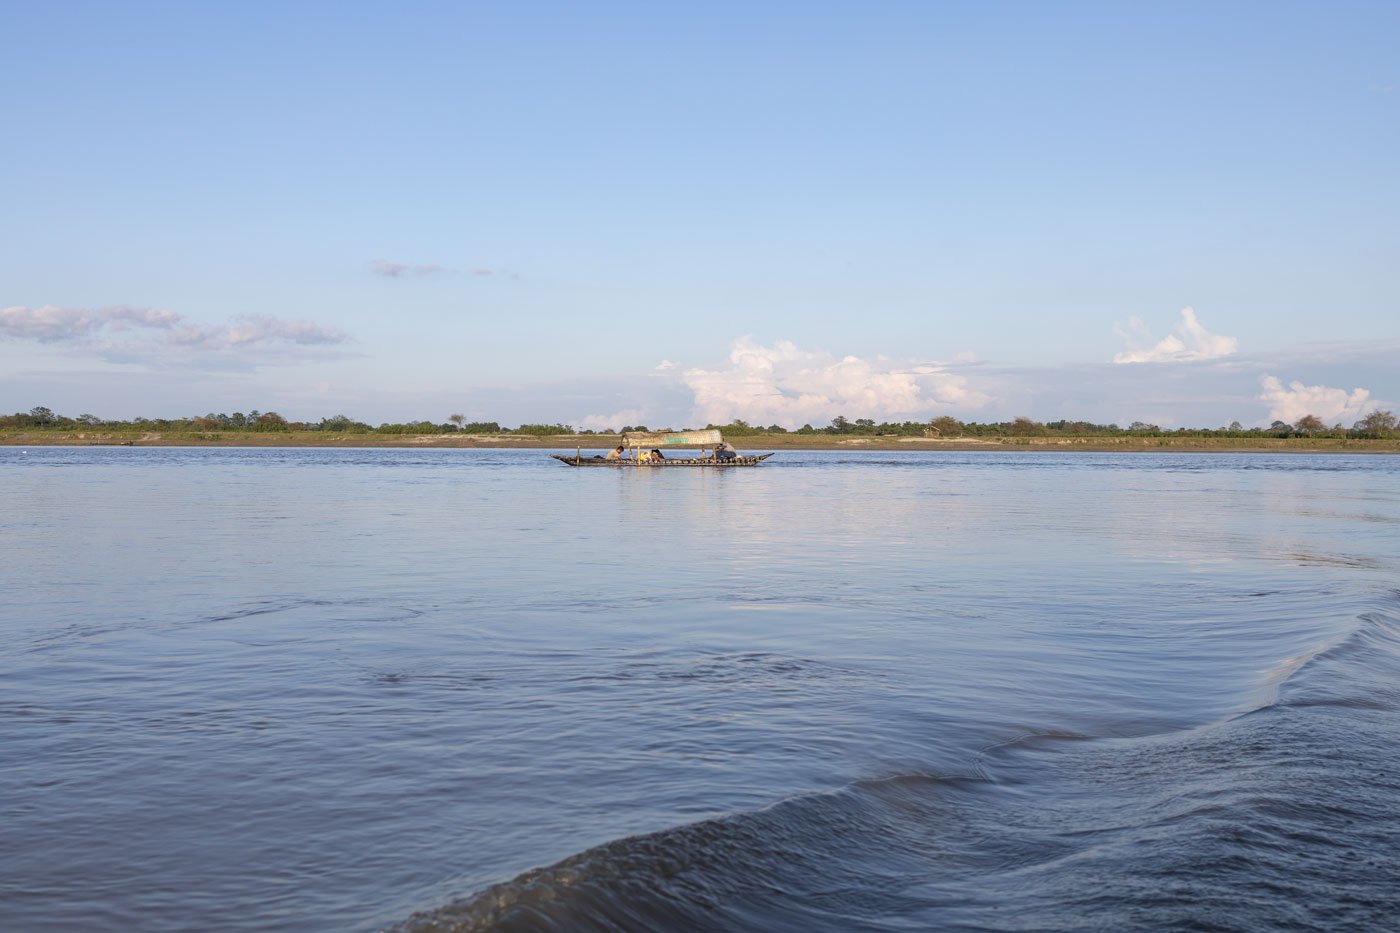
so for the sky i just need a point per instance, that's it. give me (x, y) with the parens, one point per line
(618, 213)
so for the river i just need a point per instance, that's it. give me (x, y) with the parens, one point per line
(326, 689)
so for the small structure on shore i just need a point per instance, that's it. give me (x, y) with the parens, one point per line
(635, 442)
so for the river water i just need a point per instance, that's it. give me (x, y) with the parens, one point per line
(475, 689)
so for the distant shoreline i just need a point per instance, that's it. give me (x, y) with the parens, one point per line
(776, 442)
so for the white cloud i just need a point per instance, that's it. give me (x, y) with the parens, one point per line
(51, 324)
(1331, 405)
(1190, 342)
(397, 270)
(152, 336)
(786, 385)
(664, 365)
(248, 330)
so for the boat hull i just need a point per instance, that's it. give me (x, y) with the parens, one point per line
(700, 462)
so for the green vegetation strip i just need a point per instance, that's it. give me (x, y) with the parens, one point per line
(1377, 432)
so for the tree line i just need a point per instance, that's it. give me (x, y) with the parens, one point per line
(45, 418)
(1376, 424)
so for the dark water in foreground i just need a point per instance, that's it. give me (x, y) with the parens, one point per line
(330, 689)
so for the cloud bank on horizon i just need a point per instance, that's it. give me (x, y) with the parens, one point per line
(784, 383)
(781, 382)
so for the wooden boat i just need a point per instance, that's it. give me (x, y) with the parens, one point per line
(629, 463)
(638, 441)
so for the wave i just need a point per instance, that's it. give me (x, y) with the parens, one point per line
(1356, 669)
(1282, 817)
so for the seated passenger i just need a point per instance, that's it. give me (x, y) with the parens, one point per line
(616, 454)
(726, 451)
(656, 454)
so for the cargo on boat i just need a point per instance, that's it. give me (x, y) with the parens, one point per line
(646, 440)
(627, 463)
(638, 444)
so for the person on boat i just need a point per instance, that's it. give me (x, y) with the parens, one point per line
(726, 451)
(616, 454)
(656, 454)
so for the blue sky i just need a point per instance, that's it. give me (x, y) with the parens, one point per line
(605, 213)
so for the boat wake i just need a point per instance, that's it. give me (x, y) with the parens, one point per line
(1281, 817)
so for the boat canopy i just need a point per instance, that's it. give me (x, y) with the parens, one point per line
(707, 438)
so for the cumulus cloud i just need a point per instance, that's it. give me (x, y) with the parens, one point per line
(1291, 403)
(125, 334)
(786, 385)
(397, 270)
(1191, 341)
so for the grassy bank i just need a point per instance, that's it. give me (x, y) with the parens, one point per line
(51, 437)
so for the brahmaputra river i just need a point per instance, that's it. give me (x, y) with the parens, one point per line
(475, 689)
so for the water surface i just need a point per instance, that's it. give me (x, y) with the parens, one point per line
(348, 689)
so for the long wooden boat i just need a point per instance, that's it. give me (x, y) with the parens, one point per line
(629, 463)
(655, 440)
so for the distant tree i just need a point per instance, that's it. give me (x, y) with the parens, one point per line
(542, 430)
(946, 426)
(1309, 424)
(1281, 427)
(1376, 424)
(738, 428)
(458, 420)
(806, 429)
(89, 420)
(42, 416)
(1235, 426)
(1024, 426)
(342, 424)
(1144, 427)
(839, 425)
(776, 429)
(270, 421)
